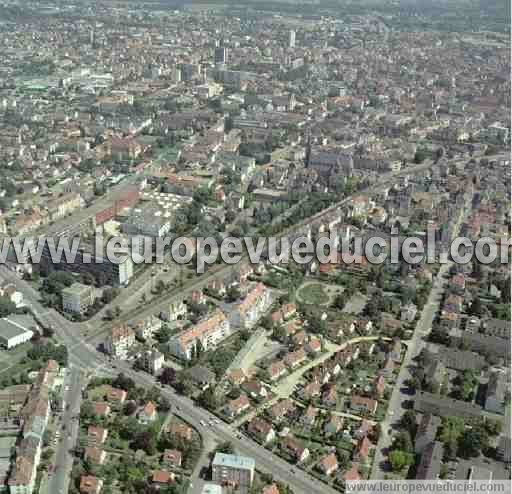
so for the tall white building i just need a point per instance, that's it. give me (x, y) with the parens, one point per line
(207, 334)
(291, 39)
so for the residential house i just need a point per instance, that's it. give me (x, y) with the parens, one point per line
(345, 356)
(270, 489)
(255, 390)
(198, 297)
(276, 370)
(298, 339)
(236, 377)
(328, 464)
(294, 359)
(90, 484)
(390, 325)
(320, 374)
(172, 457)
(311, 390)
(161, 478)
(180, 430)
(284, 313)
(362, 450)
(148, 413)
(363, 404)
(283, 408)
(97, 435)
(94, 455)
(395, 352)
(330, 396)
(408, 312)
(365, 429)
(119, 341)
(77, 298)
(292, 327)
(9, 291)
(124, 148)
(233, 470)
(379, 386)
(295, 448)
(308, 419)
(115, 395)
(363, 326)
(388, 368)
(102, 409)
(352, 474)
(262, 430)
(434, 375)
(314, 346)
(236, 407)
(217, 286)
(333, 425)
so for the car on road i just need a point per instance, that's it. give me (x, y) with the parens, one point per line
(203, 423)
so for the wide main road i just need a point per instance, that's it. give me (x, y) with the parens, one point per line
(59, 480)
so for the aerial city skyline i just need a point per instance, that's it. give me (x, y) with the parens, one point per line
(254, 247)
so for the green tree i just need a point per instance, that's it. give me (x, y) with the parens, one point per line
(408, 422)
(451, 430)
(400, 460)
(340, 301)
(6, 306)
(473, 441)
(164, 334)
(208, 399)
(403, 442)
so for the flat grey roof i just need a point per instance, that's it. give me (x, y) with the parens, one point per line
(13, 326)
(234, 461)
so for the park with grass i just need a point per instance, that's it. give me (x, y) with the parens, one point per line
(316, 293)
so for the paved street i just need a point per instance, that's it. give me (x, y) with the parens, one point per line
(59, 481)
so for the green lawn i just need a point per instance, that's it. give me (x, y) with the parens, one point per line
(313, 293)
